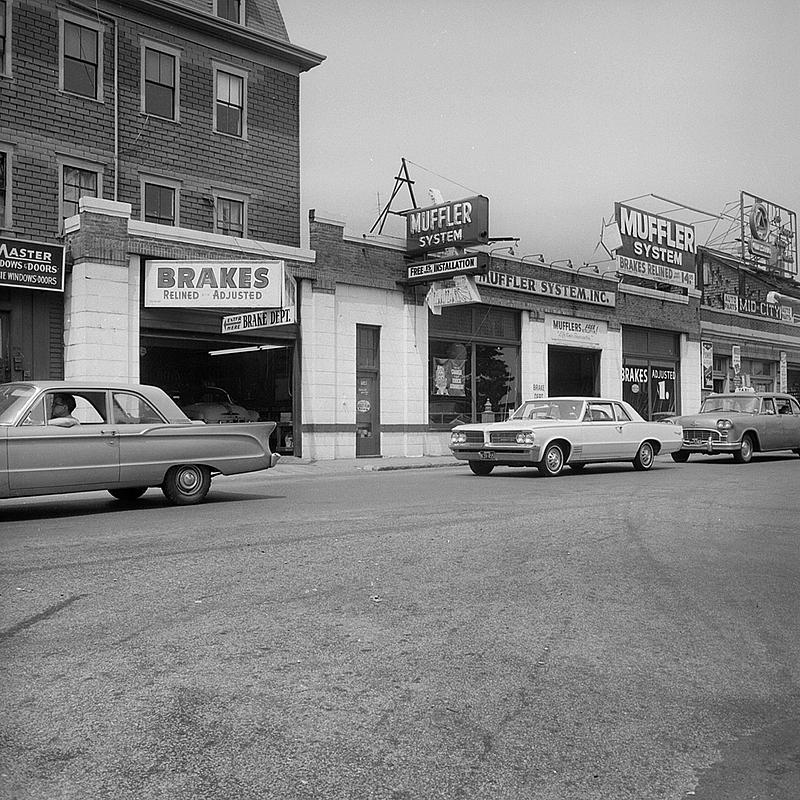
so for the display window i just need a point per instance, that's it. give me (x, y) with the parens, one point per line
(650, 372)
(473, 358)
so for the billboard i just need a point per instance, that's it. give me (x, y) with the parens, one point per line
(460, 223)
(31, 265)
(655, 247)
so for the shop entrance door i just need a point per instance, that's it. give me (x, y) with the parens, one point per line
(573, 372)
(368, 440)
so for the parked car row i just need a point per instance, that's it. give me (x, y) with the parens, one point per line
(552, 433)
(60, 436)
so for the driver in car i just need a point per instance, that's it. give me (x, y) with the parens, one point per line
(61, 411)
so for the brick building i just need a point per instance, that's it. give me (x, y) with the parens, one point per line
(138, 132)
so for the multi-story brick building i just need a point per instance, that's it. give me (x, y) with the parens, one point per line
(134, 131)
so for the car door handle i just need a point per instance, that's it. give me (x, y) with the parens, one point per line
(109, 433)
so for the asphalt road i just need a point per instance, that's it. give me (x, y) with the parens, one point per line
(412, 634)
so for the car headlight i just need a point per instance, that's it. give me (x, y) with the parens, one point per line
(525, 437)
(458, 437)
(724, 424)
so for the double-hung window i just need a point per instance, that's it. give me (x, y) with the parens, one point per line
(232, 10)
(160, 199)
(81, 56)
(77, 180)
(5, 37)
(5, 188)
(230, 215)
(230, 101)
(161, 80)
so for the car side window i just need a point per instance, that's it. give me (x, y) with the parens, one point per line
(36, 415)
(622, 414)
(785, 406)
(768, 406)
(90, 408)
(131, 409)
(599, 412)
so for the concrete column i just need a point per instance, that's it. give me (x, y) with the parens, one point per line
(101, 304)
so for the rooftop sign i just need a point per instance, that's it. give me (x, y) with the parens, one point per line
(31, 265)
(654, 247)
(460, 223)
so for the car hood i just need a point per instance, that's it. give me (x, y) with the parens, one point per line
(517, 424)
(709, 419)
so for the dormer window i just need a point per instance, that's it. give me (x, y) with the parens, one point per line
(232, 10)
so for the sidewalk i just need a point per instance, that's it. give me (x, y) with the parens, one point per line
(308, 466)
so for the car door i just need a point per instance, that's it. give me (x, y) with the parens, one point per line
(43, 456)
(768, 425)
(789, 415)
(632, 432)
(600, 433)
(144, 453)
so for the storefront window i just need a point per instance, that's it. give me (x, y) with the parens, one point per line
(473, 371)
(650, 372)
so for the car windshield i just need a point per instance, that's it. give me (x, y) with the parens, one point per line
(738, 403)
(13, 396)
(549, 409)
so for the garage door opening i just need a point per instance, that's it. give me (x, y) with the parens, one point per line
(220, 383)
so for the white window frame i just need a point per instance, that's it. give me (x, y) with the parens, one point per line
(76, 163)
(8, 152)
(242, 15)
(5, 62)
(176, 52)
(244, 199)
(83, 22)
(159, 180)
(217, 67)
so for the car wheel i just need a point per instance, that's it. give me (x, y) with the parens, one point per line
(552, 461)
(128, 494)
(745, 454)
(682, 456)
(645, 456)
(577, 467)
(481, 467)
(187, 484)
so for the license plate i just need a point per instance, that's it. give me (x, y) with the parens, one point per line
(487, 455)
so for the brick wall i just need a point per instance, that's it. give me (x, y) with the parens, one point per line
(42, 123)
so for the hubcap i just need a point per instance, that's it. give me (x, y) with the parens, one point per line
(189, 480)
(647, 455)
(554, 460)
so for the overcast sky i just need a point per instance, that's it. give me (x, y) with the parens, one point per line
(553, 109)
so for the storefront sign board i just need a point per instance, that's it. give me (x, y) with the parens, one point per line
(447, 268)
(268, 318)
(31, 265)
(576, 331)
(783, 373)
(561, 291)
(214, 284)
(757, 308)
(655, 247)
(459, 223)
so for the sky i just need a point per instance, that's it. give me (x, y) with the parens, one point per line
(553, 109)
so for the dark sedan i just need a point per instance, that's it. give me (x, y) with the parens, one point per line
(741, 423)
